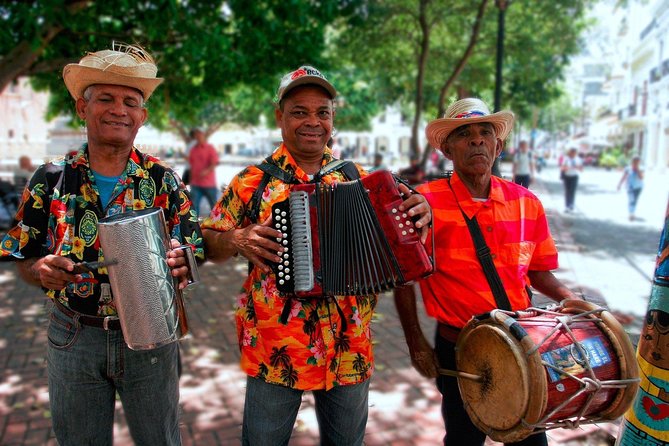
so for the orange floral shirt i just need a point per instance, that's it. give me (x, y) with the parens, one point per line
(315, 349)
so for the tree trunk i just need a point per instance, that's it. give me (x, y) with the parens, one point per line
(21, 59)
(473, 38)
(422, 63)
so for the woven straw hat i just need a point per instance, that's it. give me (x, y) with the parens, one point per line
(464, 112)
(304, 75)
(126, 65)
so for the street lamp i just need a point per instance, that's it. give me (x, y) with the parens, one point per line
(501, 5)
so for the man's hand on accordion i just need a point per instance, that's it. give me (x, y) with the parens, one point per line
(258, 243)
(416, 206)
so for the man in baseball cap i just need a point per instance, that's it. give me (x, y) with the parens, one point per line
(514, 242)
(290, 345)
(57, 237)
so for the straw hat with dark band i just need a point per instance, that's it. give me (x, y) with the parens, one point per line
(464, 112)
(126, 65)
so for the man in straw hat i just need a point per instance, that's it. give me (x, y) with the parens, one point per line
(88, 360)
(515, 229)
(290, 345)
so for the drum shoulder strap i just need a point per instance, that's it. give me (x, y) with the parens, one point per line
(485, 258)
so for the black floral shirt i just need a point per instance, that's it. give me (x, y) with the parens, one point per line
(61, 207)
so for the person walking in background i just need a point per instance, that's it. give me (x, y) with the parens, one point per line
(414, 174)
(185, 177)
(203, 160)
(633, 175)
(570, 166)
(523, 165)
(288, 344)
(23, 174)
(514, 228)
(378, 163)
(88, 361)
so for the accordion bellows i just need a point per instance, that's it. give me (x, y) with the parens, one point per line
(347, 239)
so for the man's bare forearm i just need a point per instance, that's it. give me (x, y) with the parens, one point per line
(545, 282)
(219, 246)
(27, 271)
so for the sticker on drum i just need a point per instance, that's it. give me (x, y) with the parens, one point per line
(570, 360)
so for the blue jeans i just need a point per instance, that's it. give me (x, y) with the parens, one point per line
(197, 193)
(459, 427)
(270, 411)
(87, 366)
(633, 195)
(570, 185)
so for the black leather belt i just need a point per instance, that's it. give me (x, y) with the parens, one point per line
(106, 323)
(448, 332)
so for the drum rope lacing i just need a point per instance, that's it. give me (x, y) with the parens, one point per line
(590, 385)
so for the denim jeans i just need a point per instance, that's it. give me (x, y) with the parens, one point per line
(270, 411)
(197, 193)
(459, 427)
(87, 366)
(570, 185)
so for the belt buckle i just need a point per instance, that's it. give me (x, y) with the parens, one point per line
(106, 320)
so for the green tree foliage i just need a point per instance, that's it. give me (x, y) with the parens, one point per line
(221, 60)
(430, 52)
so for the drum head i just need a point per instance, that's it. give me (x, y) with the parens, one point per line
(510, 393)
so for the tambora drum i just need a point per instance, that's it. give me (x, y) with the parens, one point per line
(539, 369)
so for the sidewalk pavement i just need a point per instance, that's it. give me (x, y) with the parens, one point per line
(404, 406)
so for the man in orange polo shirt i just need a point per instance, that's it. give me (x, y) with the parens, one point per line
(514, 226)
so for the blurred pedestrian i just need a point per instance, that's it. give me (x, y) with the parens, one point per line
(88, 361)
(523, 165)
(516, 237)
(570, 167)
(203, 160)
(189, 145)
(414, 174)
(633, 176)
(23, 174)
(288, 344)
(378, 163)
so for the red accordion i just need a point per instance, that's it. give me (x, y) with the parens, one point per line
(347, 239)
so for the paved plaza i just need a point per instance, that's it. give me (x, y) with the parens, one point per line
(602, 255)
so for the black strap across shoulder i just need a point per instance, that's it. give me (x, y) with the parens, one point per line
(485, 259)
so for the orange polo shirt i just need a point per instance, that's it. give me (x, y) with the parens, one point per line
(514, 225)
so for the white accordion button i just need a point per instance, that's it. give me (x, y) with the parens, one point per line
(283, 214)
(394, 210)
(287, 277)
(281, 282)
(411, 231)
(404, 233)
(401, 225)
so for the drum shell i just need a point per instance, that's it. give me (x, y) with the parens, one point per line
(149, 304)
(520, 394)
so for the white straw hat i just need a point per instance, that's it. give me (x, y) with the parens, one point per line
(126, 65)
(468, 111)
